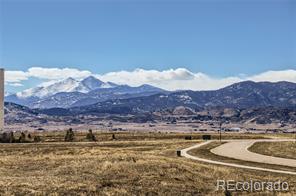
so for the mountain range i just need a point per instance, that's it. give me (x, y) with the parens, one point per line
(16, 114)
(242, 95)
(70, 93)
(91, 94)
(260, 102)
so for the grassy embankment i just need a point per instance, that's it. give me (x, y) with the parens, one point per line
(276, 149)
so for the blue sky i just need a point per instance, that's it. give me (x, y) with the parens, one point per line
(218, 38)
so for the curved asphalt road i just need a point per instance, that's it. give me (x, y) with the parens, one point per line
(184, 153)
(239, 150)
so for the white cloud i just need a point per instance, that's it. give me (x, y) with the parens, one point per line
(275, 76)
(181, 78)
(15, 84)
(171, 79)
(14, 78)
(48, 83)
(141, 76)
(57, 73)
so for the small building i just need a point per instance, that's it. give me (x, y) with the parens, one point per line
(233, 129)
(290, 131)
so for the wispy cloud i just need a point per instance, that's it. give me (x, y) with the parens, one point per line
(171, 79)
(182, 78)
(57, 73)
(14, 78)
(275, 76)
(15, 84)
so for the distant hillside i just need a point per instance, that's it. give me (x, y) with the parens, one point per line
(241, 96)
(265, 115)
(72, 93)
(20, 114)
(92, 94)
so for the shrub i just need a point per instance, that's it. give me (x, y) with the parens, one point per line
(4, 137)
(227, 193)
(11, 137)
(7, 137)
(90, 136)
(69, 135)
(37, 139)
(22, 138)
(206, 137)
(188, 137)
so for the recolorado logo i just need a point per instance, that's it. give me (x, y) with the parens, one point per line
(251, 186)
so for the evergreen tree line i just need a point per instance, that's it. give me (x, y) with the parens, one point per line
(23, 138)
(70, 136)
(9, 137)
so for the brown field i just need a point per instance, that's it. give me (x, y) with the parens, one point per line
(133, 164)
(277, 149)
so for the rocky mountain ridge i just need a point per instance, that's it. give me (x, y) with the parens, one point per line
(70, 92)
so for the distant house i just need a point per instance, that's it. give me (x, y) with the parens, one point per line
(290, 131)
(272, 131)
(233, 129)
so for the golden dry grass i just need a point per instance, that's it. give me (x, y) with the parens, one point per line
(277, 149)
(132, 167)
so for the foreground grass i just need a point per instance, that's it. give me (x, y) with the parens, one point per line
(133, 167)
(277, 149)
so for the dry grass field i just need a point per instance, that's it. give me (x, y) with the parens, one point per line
(133, 164)
(277, 149)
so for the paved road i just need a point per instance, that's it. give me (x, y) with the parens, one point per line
(239, 150)
(184, 153)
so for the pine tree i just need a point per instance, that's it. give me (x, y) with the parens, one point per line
(90, 136)
(69, 135)
(22, 138)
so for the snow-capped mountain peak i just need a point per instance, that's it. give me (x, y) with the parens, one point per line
(71, 93)
(68, 85)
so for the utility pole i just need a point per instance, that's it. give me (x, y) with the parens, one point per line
(220, 136)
